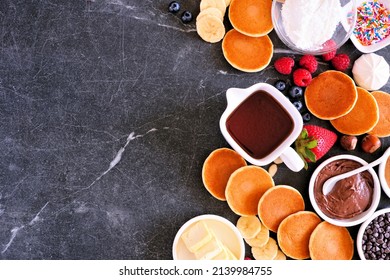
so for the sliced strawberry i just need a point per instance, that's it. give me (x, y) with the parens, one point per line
(314, 142)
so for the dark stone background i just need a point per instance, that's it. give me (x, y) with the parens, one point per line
(84, 82)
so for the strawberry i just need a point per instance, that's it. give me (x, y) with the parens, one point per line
(314, 142)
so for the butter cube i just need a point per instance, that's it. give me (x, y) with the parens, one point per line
(196, 236)
(209, 250)
(226, 254)
(231, 255)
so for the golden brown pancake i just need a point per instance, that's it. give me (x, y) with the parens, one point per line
(331, 95)
(217, 168)
(362, 118)
(294, 233)
(277, 203)
(382, 128)
(251, 17)
(245, 187)
(246, 53)
(330, 242)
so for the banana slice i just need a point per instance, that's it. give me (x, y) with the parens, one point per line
(260, 239)
(227, 2)
(280, 256)
(219, 4)
(210, 28)
(249, 226)
(210, 11)
(267, 252)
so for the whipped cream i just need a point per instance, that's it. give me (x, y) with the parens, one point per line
(371, 71)
(309, 24)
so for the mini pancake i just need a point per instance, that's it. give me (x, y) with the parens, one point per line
(217, 168)
(277, 203)
(382, 128)
(330, 242)
(246, 53)
(251, 17)
(331, 95)
(362, 118)
(294, 234)
(245, 188)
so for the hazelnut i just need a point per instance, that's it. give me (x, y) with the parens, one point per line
(370, 143)
(348, 142)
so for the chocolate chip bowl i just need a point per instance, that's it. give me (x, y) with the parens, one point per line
(352, 200)
(373, 239)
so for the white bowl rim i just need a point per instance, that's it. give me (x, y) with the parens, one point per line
(209, 217)
(352, 221)
(359, 237)
(382, 178)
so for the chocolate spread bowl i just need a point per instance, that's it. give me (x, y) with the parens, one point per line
(352, 200)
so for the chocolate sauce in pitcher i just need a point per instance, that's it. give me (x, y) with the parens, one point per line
(259, 124)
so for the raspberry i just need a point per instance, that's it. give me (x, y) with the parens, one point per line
(302, 77)
(341, 62)
(330, 44)
(308, 62)
(284, 65)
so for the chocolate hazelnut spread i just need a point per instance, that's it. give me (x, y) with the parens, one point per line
(350, 196)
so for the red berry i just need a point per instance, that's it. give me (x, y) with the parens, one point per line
(309, 62)
(302, 77)
(284, 65)
(314, 142)
(341, 62)
(330, 44)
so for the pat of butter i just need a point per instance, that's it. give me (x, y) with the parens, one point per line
(196, 236)
(209, 250)
(231, 255)
(226, 254)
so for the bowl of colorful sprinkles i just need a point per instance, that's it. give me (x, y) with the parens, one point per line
(373, 239)
(372, 28)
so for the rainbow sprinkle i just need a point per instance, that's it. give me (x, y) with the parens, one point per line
(372, 23)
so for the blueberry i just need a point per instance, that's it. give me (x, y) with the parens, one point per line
(298, 105)
(306, 117)
(186, 16)
(295, 92)
(174, 7)
(280, 85)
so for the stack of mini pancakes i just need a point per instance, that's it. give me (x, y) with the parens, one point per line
(352, 110)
